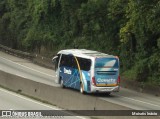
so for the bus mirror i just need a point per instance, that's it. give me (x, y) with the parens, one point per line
(55, 62)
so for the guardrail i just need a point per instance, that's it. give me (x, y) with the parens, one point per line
(43, 61)
(35, 58)
(16, 52)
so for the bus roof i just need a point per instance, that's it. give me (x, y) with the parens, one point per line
(85, 53)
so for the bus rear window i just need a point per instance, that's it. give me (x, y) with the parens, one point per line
(106, 63)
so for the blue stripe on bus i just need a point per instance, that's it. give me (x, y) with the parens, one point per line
(73, 79)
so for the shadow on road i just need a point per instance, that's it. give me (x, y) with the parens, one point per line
(92, 94)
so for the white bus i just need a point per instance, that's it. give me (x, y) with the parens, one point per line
(88, 71)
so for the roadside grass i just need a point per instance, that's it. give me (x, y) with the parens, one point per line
(130, 74)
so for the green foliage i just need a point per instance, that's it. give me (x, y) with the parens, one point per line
(127, 28)
(146, 70)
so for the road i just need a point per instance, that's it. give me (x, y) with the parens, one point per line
(126, 97)
(26, 69)
(12, 101)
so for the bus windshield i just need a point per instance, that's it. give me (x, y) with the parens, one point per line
(106, 63)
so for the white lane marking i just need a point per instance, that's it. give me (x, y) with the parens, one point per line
(139, 101)
(19, 75)
(27, 67)
(80, 117)
(22, 97)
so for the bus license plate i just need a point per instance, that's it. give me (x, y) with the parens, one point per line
(107, 90)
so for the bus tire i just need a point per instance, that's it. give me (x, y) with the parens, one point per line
(62, 83)
(82, 89)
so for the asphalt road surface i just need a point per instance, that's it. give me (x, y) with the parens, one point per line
(12, 101)
(126, 97)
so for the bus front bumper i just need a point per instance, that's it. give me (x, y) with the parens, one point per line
(104, 89)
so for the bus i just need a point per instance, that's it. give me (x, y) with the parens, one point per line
(87, 71)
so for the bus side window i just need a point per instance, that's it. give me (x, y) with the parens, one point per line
(62, 62)
(74, 63)
(85, 64)
(69, 61)
(65, 61)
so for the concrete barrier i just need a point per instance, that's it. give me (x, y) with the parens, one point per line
(67, 99)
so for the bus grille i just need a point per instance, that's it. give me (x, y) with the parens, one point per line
(106, 72)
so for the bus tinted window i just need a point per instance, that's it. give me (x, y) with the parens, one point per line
(85, 64)
(68, 61)
(65, 61)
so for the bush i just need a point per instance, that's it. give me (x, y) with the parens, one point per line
(145, 70)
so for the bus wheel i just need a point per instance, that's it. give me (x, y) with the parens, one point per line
(81, 89)
(62, 84)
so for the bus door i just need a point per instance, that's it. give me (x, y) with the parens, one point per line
(85, 66)
(106, 71)
(69, 71)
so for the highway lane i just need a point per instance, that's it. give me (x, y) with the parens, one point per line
(12, 101)
(135, 100)
(13, 66)
(125, 97)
